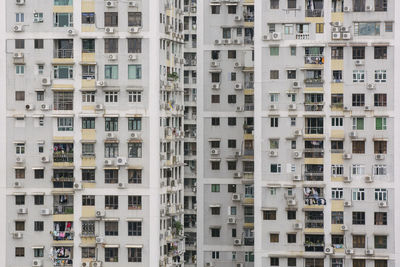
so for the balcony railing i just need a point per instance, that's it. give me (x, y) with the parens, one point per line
(315, 106)
(308, 176)
(312, 13)
(314, 224)
(64, 53)
(62, 235)
(314, 82)
(249, 219)
(63, 209)
(248, 152)
(314, 59)
(314, 130)
(302, 36)
(314, 247)
(313, 153)
(249, 85)
(63, 157)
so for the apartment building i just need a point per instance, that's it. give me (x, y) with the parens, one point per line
(190, 116)
(225, 212)
(94, 133)
(324, 133)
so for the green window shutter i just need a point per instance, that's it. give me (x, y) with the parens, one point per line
(378, 122)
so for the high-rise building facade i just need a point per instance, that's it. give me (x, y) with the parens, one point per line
(95, 133)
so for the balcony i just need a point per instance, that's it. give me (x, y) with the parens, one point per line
(60, 156)
(314, 196)
(314, 106)
(310, 176)
(64, 53)
(314, 82)
(313, 153)
(314, 59)
(63, 231)
(314, 13)
(63, 204)
(61, 255)
(302, 36)
(64, 209)
(314, 243)
(314, 130)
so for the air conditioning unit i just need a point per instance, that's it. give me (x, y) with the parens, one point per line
(237, 175)
(346, 36)
(217, 42)
(368, 8)
(85, 264)
(121, 161)
(344, 227)
(297, 178)
(346, 108)
(17, 235)
(344, 29)
(328, 250)
(369, 252)
(291, 202)
(369, 179)
(236, 197)
(371, 86)
(22, 211)
(347, 179)
(17, 184)
(77, 186)
(109, 30)
(121, 185)
(134, 136)
(99, 107)
(71, 32)
(359, 62)
(231, 220)
(335, 29)
(134, 29)
(210, 264)
(111, 136)
(46, 81)
(99, 240)
(37, 263)
(336, 24)
(108, 162)
(273, 153)
(298, 133)
(214, 151)
(44, 107)
(239, 109)
(45, 212)
(18, 55)
(215, 86)
(100, 213)
(112, 57)
(18, 28)
(382, 204)
(29, 107)
(346, 156)
(45, 159)
(238, 18)
(227, 41)
(296, 85)
(266, 37)
(297, 154)
(214, 63)
(336, 36)
(346, 9)
(297, 226)
(292, 107)
(237, 41)
(349, 251)
(272, 107)
(239, 264)
(19, 159)
(132, 4)
(237, 64)
(110, 4)
(353, 134)
(237, 242)
(276, 36)
(380, 156)
(95, 264)
(347, 203)
(238, 154)
(19, 2)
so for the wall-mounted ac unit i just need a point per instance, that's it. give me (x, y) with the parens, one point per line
(44, 107)
(121, 161)
(237, 175)
(371, 86)
(369, 252)
(346, 9)
(239, 109)
(45, 159)
(276, 36)
(237, 242)
(344, 227)
(22, 211)
(380, 156)
(347, 179)
(99, 107)
(37, 263)
(19, 159)
(45, 212)
(346, 36)
(18, 28)
(77, 186)
(18, 55)
(237, 64)
(134, 29)
(359, 62)
(382, 204)
(46, 81)
(71, 32)
(132, 4)
(112, 57)
(238, 18)
(298, 226)
(17, 184)
(231, 220)
(17, 235)
(99, 240)
(108, 162)
(347, 203)
(297, 178)
(109, 30)
(215, 86)
(100, 213)
(236, 197)
(273, 153)
(328, 250)
(214, 151)
(111, 135)
(369, 179)
(238, 86)
(336, 36)
(349, 251)
(346, 156)
(121, 185)
(110, 3)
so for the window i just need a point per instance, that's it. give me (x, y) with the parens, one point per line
(358, 217)
(20, 200)
(358, 76)
(111, 254)
(135, 72)
(19, 43)
(40, 69)
(288, 29)
(337, 52)
(319, 27)
(379, 169)
(110, 228)
(111, 202)
(380, 218)
(19, 252)
(232, 165)
(215, 254)
(111, 72)
(274, 143)
(380, 52)
(269, 215)
(19, 17)
(134, 150)
(88, 45)
(38, 226)
(274, 97)
(291, 238)
(134, 19)
(215, 188)
(215, 210)
(215, 99)
(380, 124)
(274, 261)
(291, 215)
(134, 254)
(231, 99)
(110, 45)
(380, 194)
(337, 76)
(358, 241)
(65, 124)
(135, 96)
(231, 121)
(134, 45)
(19, 225)
(111, 96)
(233, 76)
(63, 71)
(274, 51)
(88, 228)
(337, 121)
(215, 232)
(63, 2)
(358, 169)
(88, 200)
(274, 74)
(337, 193)
(88, 123)
(226, 33)
(38, 252)
(358, 100)
(134, 228)
(111, 150)
(215, 165)
(111, 124)
(358, 147)
(381, 5)
(388, 26)
(291, 262)
(88, 18)
(215, 121)
(88, 97)
(19, 69)
(215, 9)
(233, 210)
(19, 173)
(358, 52)
(20, 148)
(38, 199)
(274, 4)
(40, 95)
(380, 76)
(293, 51)
(134, 202)
(358, 123)
(88, 252)
(381, 263)
(231, 9)
(110, 19)
(380, 147)
(111, 176)
(380, 241)
(337, 241)
(291, 3)
(274, 238)
(274, 121)
(134, 176)
(231, 53)
(88, 73)
(291, 74)
(134, 124)
(38, 44)
(358, 194)
(275, 168)
(337, 217)
(367, 28)
(63, 20)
